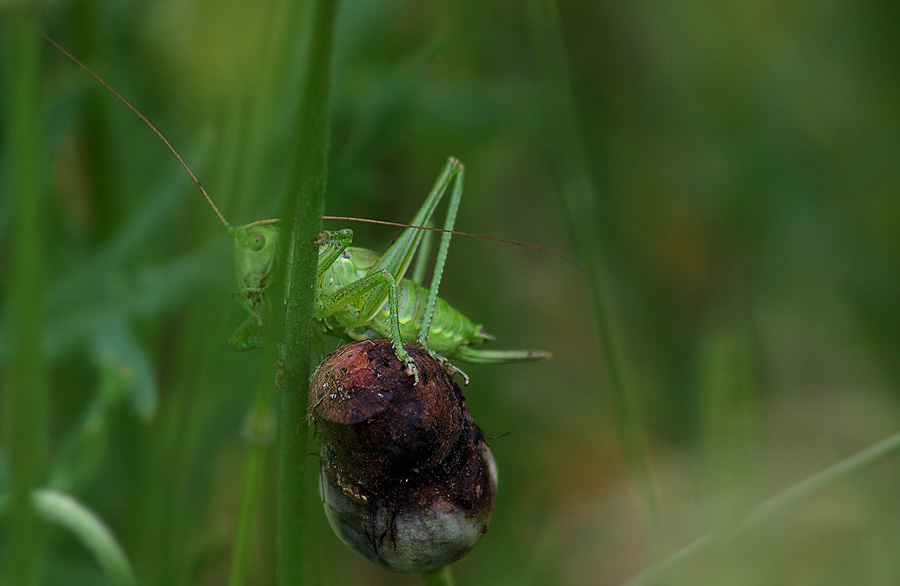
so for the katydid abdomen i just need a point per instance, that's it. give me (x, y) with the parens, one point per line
(449, 334)
(449, 329)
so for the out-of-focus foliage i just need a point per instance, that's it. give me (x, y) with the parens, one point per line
(743, 167)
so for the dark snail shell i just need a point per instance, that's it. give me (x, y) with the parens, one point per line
(407, 479)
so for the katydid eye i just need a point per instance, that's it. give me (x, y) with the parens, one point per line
(257, 242)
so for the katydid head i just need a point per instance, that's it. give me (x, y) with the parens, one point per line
(254, 252)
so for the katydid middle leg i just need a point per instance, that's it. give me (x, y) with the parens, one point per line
(364, 290)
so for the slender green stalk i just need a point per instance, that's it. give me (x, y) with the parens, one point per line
(579, 197)
(440, 577)
(726, 386)
(24, 398)
(303, 200)
(253, 477)
(256, 129)
(867, 458)
(67, 512)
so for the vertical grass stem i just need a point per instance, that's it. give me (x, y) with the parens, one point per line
(251, 134)
(303, 200)
(579, 198)
(24, 409)
(440, 577)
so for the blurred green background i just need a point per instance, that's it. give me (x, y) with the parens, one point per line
(740, 161)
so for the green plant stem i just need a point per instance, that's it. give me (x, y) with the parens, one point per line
(579, 198)
(24, 408)
(303, 200)
(259, 430)
(254, 131)
(830, 476)
(440, 577)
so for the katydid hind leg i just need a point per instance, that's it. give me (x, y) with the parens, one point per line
(398, 256)
(421, 262)
(488, 356)
(441, 259)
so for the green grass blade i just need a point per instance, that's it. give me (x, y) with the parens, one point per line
(254, 465)
(24, 408)
(303, 200)
(579, 203)
(65, 511)
(249, 139)
(440, 577)
(827, 478)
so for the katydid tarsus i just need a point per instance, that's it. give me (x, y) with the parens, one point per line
(360, 294)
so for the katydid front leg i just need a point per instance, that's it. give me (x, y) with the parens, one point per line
(246, 337)
(332, 244)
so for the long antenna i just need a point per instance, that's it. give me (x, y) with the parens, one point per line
(142, 117)
(260, 222)
(458, 233)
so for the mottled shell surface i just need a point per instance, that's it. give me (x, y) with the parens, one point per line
(407, 479)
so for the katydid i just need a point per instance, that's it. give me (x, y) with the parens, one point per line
(359, 293)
